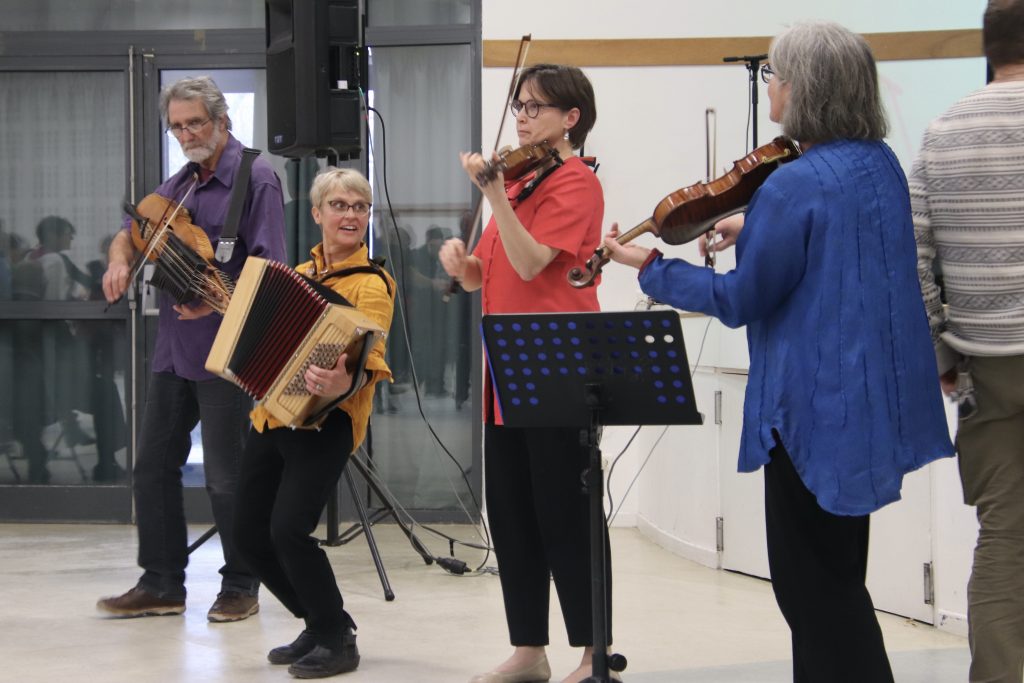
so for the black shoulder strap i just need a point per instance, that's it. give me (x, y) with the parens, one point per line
(239, 190)
(371, 267)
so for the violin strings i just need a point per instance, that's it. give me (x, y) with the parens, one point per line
(213, 289)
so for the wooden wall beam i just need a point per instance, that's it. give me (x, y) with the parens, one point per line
(707, 51)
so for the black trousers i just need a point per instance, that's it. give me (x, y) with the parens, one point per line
(173, 407)
(287, 476)
(540, 526)
(818, 564)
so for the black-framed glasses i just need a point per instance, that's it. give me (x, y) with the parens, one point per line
(532, 107)
(339, 207)
(192, 127)
(767, 72)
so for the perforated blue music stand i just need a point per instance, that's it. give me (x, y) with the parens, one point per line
(586, 370)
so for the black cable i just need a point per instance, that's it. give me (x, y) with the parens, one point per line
(450, 564)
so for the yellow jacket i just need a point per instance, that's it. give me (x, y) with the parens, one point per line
(368, 293)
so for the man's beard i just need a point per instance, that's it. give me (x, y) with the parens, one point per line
(203, 151)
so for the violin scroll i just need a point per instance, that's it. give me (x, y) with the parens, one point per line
(581, 277)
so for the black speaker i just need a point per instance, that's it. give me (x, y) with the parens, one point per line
(314, 68)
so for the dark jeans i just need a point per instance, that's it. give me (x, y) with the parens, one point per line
(818, 563)
(173, 408)
(541, 530)
(287, 476)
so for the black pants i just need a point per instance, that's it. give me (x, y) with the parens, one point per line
(173, 407)
(541, 530)
(287, 476)
(818, 564)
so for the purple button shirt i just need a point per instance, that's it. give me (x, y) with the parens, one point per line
(183, 345)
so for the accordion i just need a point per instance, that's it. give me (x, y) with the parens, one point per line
(276, 325)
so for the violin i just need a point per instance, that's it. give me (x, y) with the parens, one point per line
(162, 232)
(515, 163)
(692, 211)
(154, 214)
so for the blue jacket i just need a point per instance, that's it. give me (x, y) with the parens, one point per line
(841, 361)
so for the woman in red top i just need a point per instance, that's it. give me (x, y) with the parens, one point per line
(543, 225)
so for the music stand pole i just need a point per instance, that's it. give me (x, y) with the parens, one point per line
(594, 480)
(584, 370)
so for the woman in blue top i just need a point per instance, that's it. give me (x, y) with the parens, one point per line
(843, 396)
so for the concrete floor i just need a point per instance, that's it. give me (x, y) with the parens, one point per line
(676, 622)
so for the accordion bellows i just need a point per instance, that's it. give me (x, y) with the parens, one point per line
(275, 327)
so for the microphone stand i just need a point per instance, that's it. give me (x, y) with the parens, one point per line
(753, 63)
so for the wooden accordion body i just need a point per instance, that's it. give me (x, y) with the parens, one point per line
(275, 327)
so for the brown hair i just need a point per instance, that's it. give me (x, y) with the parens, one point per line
(567, 88)
(1002, 32)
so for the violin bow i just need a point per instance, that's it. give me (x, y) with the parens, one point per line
(711, 161)
(524, 48)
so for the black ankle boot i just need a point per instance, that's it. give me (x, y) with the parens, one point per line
(322, 661)
(293, 652)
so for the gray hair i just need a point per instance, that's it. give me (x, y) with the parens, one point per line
(200, 88)
(344, 179)
(833, 84)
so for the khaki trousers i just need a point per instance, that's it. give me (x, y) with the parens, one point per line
(991, 457)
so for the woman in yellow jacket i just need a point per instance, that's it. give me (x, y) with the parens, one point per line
(287, 474)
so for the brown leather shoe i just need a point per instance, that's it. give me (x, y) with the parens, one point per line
(139, 603)
(233, 606)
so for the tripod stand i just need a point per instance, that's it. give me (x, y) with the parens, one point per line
(586, 370)
(366, 522)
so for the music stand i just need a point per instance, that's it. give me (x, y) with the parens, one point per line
(586, 370)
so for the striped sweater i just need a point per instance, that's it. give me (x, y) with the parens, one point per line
(967, 198)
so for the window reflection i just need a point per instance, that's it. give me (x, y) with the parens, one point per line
(62, 410)
(418, 12)
(431, 344)
(61, 180)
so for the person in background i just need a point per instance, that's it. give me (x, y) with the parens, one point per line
(842, 398)
(431, 316)
(181, 393)
(967, 195)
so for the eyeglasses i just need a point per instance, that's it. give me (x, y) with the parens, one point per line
(532, 107)
(192, 127)
(767, 72)
(339, 207)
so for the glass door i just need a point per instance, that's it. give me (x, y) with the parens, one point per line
(65, 370)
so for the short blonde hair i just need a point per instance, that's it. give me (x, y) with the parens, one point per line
(344, 179)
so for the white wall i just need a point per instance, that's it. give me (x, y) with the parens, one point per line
(650, 140)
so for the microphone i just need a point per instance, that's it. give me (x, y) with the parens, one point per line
(746, 58)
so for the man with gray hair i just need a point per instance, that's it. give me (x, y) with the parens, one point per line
(181, 393)
(967, 194)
